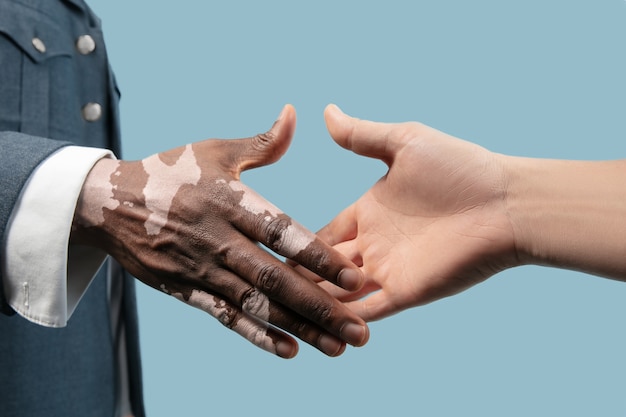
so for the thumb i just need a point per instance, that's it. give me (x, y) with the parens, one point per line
(267, 148)
(363, 137)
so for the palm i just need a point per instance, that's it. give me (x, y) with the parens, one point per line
(428, 229)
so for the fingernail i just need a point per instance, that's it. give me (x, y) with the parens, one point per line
(330, 345)
(350, 279)
(285, 350)
(353, 333)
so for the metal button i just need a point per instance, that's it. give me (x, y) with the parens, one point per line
(92, 112)
(39, 45)
(85, 44)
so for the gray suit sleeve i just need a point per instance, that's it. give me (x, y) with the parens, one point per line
(19, 156)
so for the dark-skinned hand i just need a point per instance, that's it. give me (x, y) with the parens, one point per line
(182, 222)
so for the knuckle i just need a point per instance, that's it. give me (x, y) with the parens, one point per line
(269, 279)
(409, 130)
(322, 264)
(256, 303)
(416, 126)
(226, 314)
(301, 329)
(246, 296)
(274, 230)
(323, 313)
(263, 140)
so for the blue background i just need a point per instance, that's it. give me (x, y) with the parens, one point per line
(541, 78)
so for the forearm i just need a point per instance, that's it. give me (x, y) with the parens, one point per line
(569, 214)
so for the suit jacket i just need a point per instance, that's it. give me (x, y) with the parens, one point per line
(45, 82)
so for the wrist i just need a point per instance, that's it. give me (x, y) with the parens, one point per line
(523, 207)
(95, 202)
(505, 248)
(568, 214)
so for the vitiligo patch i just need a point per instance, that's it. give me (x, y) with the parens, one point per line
(293, 239)
(256, 331)
(164, 181)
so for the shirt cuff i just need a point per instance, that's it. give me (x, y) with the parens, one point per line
(44, 278)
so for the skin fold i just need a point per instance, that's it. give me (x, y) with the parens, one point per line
(182, 222)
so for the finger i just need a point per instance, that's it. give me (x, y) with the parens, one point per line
(254, 330)
(375, 307)
(311, 276)
(373, 139)
(342, 228)
(282, 284)
(264, 148)
(253, 302)
(347, 296)
(263, 222)
(259, 305)
(349, 249)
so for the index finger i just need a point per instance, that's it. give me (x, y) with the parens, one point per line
(262, 221)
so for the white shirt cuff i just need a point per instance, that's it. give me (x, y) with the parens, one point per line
(44, 278)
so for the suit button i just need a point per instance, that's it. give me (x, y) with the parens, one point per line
(39, 45)
(85, 44)
(92, 112)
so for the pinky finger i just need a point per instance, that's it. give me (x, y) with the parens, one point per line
(254, 330)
